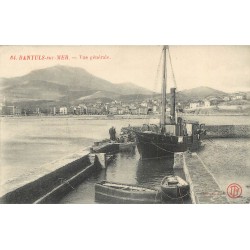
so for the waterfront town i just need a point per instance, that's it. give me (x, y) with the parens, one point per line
(236, 102)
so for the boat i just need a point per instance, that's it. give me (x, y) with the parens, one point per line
(126, 141)
(174, 187)
(112, 192)
(173, 134)
(127, 146)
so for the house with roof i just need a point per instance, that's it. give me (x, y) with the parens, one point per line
(133, 110)
(63, 110)
(194, 105)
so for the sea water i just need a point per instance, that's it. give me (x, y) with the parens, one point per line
(27, 143)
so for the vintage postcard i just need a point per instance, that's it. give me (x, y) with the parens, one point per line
(125, 124)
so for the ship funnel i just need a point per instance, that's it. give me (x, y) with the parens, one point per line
(172, 105)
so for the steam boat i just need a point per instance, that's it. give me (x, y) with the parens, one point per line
(173, 134)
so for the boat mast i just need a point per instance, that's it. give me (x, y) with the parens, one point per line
(164, 87)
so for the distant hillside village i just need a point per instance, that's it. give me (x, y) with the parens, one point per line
(232, 102)
(238, 102)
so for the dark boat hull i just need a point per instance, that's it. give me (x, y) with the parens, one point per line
(153, 145)
(109, 194)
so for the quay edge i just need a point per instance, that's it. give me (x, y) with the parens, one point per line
(204, 188)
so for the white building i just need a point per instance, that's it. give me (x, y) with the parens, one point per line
(207, 103)
(154, 108)
(226, 98)
(239, 97)
(63, 111)
(194, 105)
(144, 104)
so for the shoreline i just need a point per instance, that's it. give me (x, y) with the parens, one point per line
(116, 117)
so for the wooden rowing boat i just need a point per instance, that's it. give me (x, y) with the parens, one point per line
(111, 192)
(174, 187)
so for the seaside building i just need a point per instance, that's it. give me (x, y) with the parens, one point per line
(54, 110)
(143, 110)
(83, 109)
(113, 110)
(194, 105)
(63, 111)
(226, 98)
(133, 110)
(10, 110)
(37, 110)
(207, 103)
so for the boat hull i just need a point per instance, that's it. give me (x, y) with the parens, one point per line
(111, 195)
(127, 146)
(173, 192)
(153, 145)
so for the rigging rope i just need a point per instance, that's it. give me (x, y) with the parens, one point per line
(158, 69)
(65, 181)
(156, 144)
(170, 60)
(162, 148)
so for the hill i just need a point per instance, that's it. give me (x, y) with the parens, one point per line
(199, 93)
(73, 85)
(202, 92)
(62, 82)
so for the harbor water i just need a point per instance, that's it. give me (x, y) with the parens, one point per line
(129, 169)
(27, 143)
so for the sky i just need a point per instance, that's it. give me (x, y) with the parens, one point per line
(225, 68)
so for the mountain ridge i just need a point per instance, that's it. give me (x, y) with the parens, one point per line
(74, 84)
(61, 80)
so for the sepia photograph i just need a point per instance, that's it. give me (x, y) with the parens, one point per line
(124, 125)
(162, 124)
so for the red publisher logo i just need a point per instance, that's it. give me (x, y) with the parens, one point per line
(234, 190)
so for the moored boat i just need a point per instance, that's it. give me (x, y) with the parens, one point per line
(174, 187)
(127, 146)
(112, 192)
(173, 134)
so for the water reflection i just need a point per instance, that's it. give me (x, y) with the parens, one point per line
(151, 172)
(126, 168)
(123, 168)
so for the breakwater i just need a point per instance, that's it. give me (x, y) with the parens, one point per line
(224, 131)
(69, 173)
(227, 131)
(34, 190)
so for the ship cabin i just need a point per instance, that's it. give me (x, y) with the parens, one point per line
(193, 131)
(188, 132)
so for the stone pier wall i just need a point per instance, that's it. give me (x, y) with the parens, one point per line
(32, 191)
(228, 131)
(59, 178)
(204, 188)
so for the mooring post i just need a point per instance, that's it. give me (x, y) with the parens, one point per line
(101, 157)
(178, 161)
